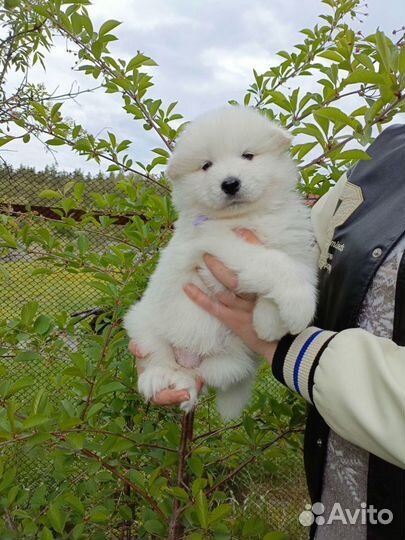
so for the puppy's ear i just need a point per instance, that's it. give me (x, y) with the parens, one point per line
(280, 139)
(171, 169)
(176, 166)
(178, 161)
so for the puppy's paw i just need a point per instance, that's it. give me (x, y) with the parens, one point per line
(297, 308)
(267, 320)
(213, 285)
(186, 380)
(157, 378)
(188, 406)
(153, 380)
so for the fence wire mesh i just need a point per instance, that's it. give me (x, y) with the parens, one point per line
(280, 495)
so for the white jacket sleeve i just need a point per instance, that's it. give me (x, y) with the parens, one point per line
(355, 380)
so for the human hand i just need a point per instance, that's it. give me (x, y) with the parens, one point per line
(168, 396)
(234, 310)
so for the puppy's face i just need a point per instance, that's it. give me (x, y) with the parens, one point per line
(230, 161)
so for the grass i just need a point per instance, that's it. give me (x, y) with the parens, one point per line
(54, 292)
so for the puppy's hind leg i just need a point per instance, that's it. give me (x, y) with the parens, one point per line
(232, 375)
(224, 370)
(232, 401)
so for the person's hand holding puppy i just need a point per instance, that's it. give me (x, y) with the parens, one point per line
(235, 311)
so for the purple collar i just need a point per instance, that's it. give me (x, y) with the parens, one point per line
(199, 220)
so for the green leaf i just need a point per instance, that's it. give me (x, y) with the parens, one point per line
(78, 190)
(40, 10)
(383, 49)
(253, 527)
(74, 502)
(87, 25)
(336, 115)
(301, 150)
(76, 440)
(109, 388)
(9, 240)
(153, 526)
(354, 154)
(46, 534)
(55, 142)
(201, 505)
(21, 384)
(108, 26)
(97, 48)
(94, 409)
(140, 60)
(83, 245)
(198, 485)
(56, 519)
(99, 514)
(5, 140)
(28, 313)
(42, 324)
(7, 478)
(12, 407)
(278, 98)
(401, 61)
(27, 356)
(50, 194)
(364, 76)
(39, 400)
(126, 84)
(83, 145)
(12, 494)
(196, 465)
(77, 23)
(220, 512)
(332, 55)
(42, 272)
(34, 421)
(179, 493)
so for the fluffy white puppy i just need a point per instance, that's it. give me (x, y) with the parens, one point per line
(230, 169)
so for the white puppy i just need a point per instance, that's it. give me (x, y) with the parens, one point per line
(230, 169)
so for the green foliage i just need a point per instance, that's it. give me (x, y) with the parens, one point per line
(86, 415)
(109, 459)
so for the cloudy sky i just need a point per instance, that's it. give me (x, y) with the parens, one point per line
(205, 50)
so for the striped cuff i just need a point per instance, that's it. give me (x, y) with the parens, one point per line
(297, 357)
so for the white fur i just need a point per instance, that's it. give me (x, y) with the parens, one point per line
(282, 271)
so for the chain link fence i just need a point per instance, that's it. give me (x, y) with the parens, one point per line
(277, 495)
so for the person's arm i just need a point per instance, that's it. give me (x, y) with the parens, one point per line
(355, 380)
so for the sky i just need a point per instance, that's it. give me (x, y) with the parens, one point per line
(206, 51)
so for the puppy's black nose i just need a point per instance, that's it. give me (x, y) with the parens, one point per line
(230, 185)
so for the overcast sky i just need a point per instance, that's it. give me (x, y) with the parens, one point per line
(206, 51)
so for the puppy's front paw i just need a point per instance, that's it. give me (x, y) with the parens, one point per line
(297, 308)
(267, 320)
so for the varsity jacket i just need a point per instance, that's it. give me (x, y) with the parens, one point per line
(353, 381)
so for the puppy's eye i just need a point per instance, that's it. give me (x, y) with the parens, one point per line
(248, 155)
(206, 165)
